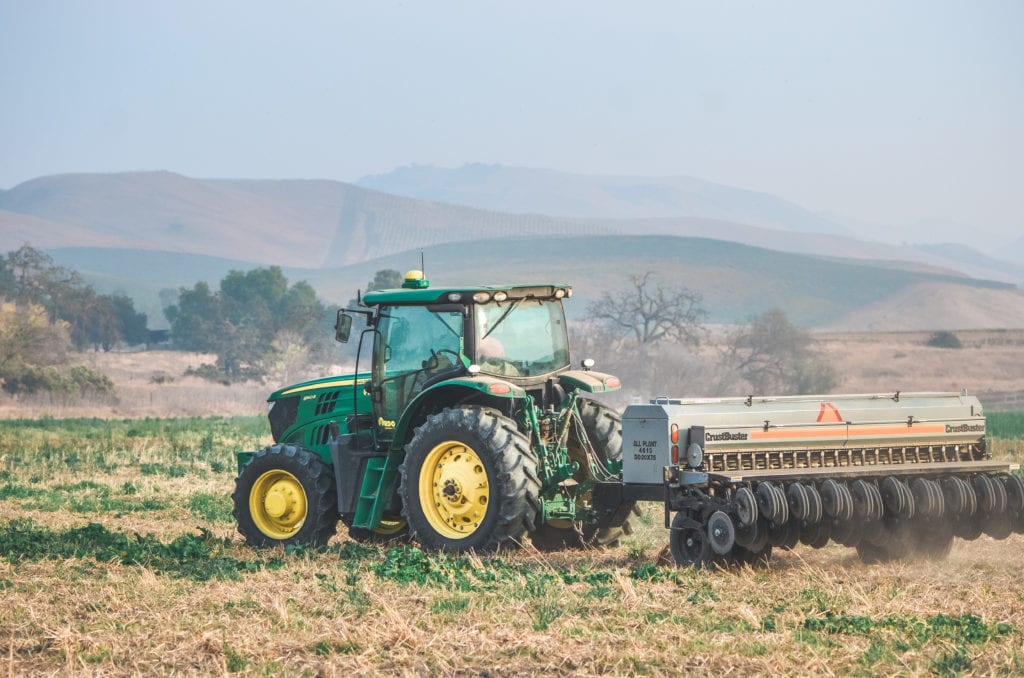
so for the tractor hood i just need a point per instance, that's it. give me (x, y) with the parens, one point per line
(302, 413)
(307, 387)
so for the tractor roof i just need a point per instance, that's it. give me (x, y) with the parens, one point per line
(417, 290)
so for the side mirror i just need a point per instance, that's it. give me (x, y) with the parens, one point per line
(343, 327)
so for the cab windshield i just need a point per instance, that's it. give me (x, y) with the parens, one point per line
(523, 338)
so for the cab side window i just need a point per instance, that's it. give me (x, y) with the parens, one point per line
(417, 344)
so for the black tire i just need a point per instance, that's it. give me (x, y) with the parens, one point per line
(392, 529)
(490, 487)
(285, 495)
(689, 544)
(603, 427)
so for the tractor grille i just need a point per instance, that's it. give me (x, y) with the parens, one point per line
(282, 416)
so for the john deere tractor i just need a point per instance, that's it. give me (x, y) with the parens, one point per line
(471, 430)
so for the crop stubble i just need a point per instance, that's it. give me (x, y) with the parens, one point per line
(160, 583)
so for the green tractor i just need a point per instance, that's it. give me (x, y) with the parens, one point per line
(470, 431)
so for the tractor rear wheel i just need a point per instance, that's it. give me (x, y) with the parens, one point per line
(603, 428)
(469, 481)
(285, 495)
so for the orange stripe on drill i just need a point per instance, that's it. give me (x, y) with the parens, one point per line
(853, 431)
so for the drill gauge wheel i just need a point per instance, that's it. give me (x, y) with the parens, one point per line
(688, 544)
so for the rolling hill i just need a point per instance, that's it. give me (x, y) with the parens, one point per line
(140, 233)
(737, 281)
(312, 223)
(561, 194)
(290, 223)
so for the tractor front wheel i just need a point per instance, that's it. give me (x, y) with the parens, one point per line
(469, 481)
(285, 495)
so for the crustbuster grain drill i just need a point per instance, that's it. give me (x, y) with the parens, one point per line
(471, 430)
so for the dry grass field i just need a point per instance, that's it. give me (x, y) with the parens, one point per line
(119, 556)
(151, 383)
(991, 361)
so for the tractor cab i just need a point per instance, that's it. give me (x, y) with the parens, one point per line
(422, 337)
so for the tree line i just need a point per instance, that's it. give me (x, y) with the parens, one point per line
(99, 321)
(656, 335)
(256, 323)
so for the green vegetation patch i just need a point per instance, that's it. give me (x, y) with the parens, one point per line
(897, 634)
(155, 447)
(966, 628)
(213, 508)
(85, 496)
(1006, 425)
(408, 564)
(197, 557)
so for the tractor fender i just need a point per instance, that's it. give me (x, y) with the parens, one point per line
(591, 382)
(452, 391)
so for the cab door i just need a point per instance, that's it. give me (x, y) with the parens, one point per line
(414, 345)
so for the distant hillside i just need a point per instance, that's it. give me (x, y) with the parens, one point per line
(292, 223)
(979, 265)
(541, 191)
(162, 211)
(737, 281)
(326, 223)
(934, 306)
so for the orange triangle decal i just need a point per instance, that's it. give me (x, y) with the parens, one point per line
(829, 413)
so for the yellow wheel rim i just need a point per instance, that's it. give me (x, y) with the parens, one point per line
(389, 526)
(454, 490)
(277, 504)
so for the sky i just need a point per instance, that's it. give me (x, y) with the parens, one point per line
(905, 116)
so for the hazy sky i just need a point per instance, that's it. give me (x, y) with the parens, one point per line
(890, 112)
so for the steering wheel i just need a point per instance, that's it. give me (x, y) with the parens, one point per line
(435, 361)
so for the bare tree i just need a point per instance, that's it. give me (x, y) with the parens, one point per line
(650, 313)
(773, 355)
